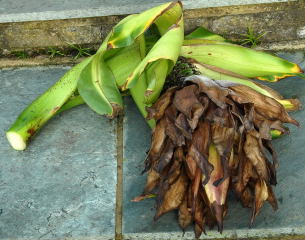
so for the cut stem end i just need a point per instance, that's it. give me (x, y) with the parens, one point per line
(16, 141)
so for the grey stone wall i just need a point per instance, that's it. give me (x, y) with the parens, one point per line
(284, 23)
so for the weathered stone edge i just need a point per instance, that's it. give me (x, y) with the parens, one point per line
(37, 61)
(284, 21)
(117, 10)
(253, 234)
(296, 45)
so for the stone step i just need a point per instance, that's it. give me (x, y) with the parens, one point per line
(35, 10)
(68, 184)
(32, 24)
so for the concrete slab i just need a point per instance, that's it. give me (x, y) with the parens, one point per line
(288, 220)
(64, 184)
(33, 10)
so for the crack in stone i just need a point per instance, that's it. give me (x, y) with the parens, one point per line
(119, 190)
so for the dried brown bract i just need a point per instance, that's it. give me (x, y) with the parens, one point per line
(212, 137)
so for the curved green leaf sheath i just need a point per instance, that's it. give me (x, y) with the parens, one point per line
(125, 61)
(71, 103)
(221, 74)
(121, 54)
(244, 61)
(124, 33)
(168, 47)
(169, 17)
(97, 86)
(147, 80)
(43, 108)
(202, 33)
(156, 75)
(137, 93)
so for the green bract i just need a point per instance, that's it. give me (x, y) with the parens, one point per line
(238, 59)
(123, 63)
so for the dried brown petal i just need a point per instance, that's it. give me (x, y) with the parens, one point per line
(233, 162)
(158, 140)
(295, 103)
(165, 155)
(218, 116)
(153, 179)
(171, 130)
(205, 101)
(214, 91)
(223, 138)
(199, 218)
(157, 110)
(265, 126)
(253, 153)
(269, 147)
(183, 125)
(235, 111)
(247, 197)
(175, 168)
(186, 101)
(248, 116)
(185, 214)
(261, 195)
(272, 199)
(212, 136)
(266, 106)
(191, 166)
(210, 218)
(195, 188)
(199, 149)
(173, 197)
(272, 172)
(248, 172)
(216, 194)
(218, 211)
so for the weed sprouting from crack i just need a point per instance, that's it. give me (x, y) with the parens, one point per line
(251, 38)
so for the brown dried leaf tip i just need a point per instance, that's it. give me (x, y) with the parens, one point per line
(212, 136)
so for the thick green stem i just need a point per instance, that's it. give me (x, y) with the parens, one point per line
(71, 103)
(43, 108)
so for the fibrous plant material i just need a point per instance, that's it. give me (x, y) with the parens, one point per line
(129, 60)
(136, 57)
(211, 137)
